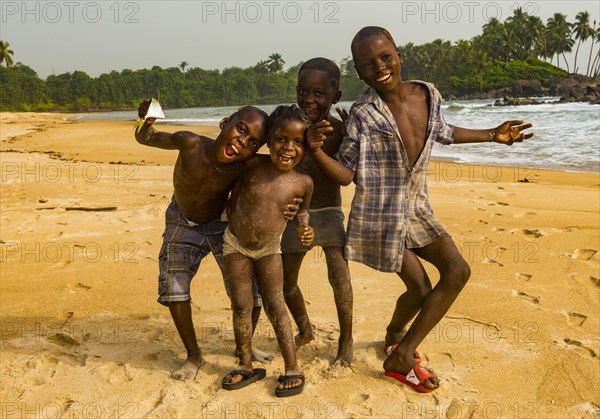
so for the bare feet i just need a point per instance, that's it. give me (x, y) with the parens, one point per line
(189, 370)
(402, 362)
(302, 339)
(345, 353)
(258, 356)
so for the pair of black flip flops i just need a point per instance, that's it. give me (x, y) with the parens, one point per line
(258, 374)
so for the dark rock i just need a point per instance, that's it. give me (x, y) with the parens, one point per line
(522, 88)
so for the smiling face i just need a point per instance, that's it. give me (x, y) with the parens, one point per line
(241, 136)
(377, 62)
(287, 144)
(315, 94)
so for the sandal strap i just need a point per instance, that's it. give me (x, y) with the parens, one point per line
(245, 373)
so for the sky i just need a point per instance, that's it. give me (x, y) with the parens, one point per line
(55, 37)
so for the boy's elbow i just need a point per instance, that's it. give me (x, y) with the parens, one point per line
(346, 178)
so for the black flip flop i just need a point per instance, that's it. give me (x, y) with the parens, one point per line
(249, 378)
(286, 392)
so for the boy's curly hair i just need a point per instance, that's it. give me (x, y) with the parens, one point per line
(285, 112)
(326, 65)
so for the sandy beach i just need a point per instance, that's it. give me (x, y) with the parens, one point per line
(82, 213)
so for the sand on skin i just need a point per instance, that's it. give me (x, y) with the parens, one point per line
(82, 334)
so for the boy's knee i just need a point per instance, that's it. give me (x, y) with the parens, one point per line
(459, 273)
(420, 291)
(241, 310)
(289, 289)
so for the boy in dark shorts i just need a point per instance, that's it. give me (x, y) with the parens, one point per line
(252, 243)
(204, 173)
(317, 90)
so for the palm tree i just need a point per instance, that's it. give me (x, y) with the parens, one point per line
(536, 34)
(516, 25)
(559, 36)
(594, 36)
(480, 64)
(491, 39)
(183, 65)
(275, 63)
(6, 54)
(582, 31)
(596, 64)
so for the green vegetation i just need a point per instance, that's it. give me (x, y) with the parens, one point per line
(520, 48)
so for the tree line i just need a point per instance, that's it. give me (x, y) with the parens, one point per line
(521, 47)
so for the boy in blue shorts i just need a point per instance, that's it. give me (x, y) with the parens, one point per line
(203, 176)
(317, 90)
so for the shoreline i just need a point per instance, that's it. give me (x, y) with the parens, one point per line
(80, 323)
(51, 119)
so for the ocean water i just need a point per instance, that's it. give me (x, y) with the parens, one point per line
(566, 135)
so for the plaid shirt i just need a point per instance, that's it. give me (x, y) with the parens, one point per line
(390, 209)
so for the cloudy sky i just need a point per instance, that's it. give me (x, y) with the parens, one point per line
(54, 37)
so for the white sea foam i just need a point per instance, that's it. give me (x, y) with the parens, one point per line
(566, 135)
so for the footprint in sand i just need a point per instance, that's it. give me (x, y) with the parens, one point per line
(575, 344)
(532, 233)
(502, 203)
(78, 286)
(490, 260)
(440, 361)
(62, 340)
(585, 279)
(584, 254)
(581, 254)
(574, 319)
(524, 214)
(522, 277)
(531, 298)
(60, 265)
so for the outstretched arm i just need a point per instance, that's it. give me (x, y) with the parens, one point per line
(507, 133)
(333, 169)
(147, 135)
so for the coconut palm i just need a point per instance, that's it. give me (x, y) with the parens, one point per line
(183, 65)
(491, 39)
(559, 36)
(535, 31)
(596, 64)
(275, 62)
(593, 36)
(582, 31)
(6, 54)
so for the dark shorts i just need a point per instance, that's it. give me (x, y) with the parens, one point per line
(328, 224)
(184, 246)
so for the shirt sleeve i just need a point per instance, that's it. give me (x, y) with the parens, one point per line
(444, 131)
(348, 152)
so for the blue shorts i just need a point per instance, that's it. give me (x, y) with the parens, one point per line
(185, 244)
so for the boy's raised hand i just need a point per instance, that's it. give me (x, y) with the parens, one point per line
(343, 113)
(143, 110)
(315, 134)
(510, 132)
